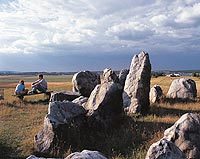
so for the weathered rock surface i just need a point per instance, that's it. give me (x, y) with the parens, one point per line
(57, 123)
(34, 157)
(109, 76)
(86, 154)
(105, 103)
(84, 82)
(64, 95)
(164, 149)
(182, 89)
(137, 85)
(185, 134)
(81, 100)
(67, 123)
(156, 94)
(122, 76)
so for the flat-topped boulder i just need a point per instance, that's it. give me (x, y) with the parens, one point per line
(137, 85)
(182, 89)
(156, 94)
(64, 95)
(84, 82)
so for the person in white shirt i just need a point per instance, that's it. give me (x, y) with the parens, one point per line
(20, 88)
(39, 85)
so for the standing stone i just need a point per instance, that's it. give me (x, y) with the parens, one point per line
(185, 134)
(122, 76)
(84, 82)
(137, 85)
(109, 76)
(156, 94)
(105, 104)
(182, 89)
(164, 149)
(86, 154)
(60, 118)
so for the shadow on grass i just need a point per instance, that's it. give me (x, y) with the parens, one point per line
(7, 152)
(121, 141)
(177, 100)
(161, 111)
(36, 102)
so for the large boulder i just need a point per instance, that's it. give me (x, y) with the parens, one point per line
(86, 154)
(109, 76)
(105, 103)
(164, 149)
(64, 95)
(185, 134)
(156, 94)
(182, 89)
(122, 76)
(84, 82)
(57, 123)
(137, 85)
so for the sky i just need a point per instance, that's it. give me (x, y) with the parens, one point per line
(74, 35)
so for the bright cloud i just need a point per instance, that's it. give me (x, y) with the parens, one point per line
(49, 26)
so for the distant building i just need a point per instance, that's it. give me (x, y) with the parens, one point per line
(174, 75)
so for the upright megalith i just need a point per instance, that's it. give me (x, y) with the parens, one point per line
(122, 76)
(109, 76)
(63, 120)
(155, 94)
(105, 104)
(137, 85)
(84, 82)
(182, 89)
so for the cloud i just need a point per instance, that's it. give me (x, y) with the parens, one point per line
(68, 26)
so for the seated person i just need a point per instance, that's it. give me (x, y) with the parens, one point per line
(20, 88)
(39, 85)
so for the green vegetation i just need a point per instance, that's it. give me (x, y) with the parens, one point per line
(20, 121)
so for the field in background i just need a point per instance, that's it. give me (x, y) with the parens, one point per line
(20, 121)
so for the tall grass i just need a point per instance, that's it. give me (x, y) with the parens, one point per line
(20, 121)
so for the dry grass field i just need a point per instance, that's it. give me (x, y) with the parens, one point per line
(20, 121)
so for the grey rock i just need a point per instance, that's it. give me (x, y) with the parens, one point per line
(84, 82)
(34, 157)
(185, 134)
(109, 76)
(164, 149)
(81, 100)
(58, 120)
(156, 94)
(105, 103)
(64, 95)
(182, 89)
(137, 85)
(122, 76)
(86, 154)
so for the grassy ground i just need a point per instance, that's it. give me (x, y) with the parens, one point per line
(19, 122)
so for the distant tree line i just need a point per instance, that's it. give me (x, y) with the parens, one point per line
(157, 74)
(195, 74)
